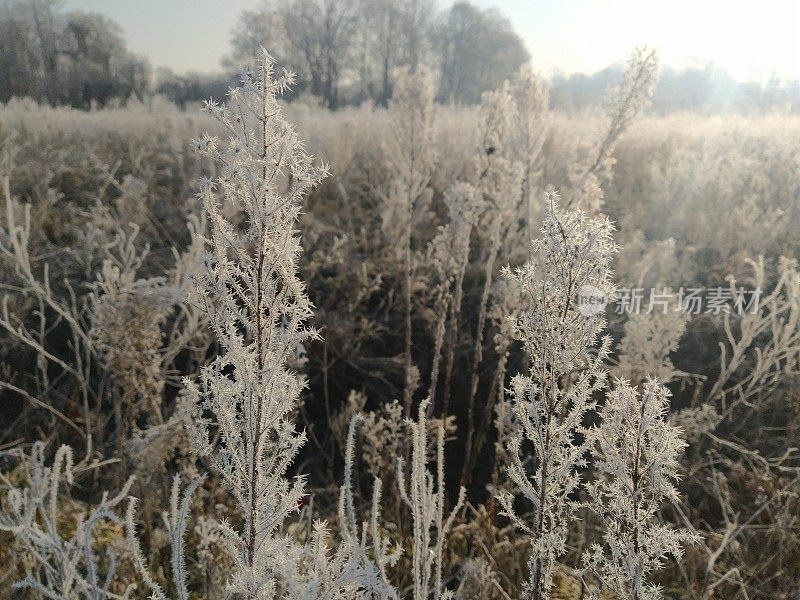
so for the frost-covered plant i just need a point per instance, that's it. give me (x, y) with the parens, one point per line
(383, 436)
(64, 555)
(644, 263)
(507, 300)
(695, 421)
(532, 98)
(257, 308)
(211, 558)
(636, 454)
(188, 330)
(550, 401)
(115, 321)
(370, 539)
(478, 581)
(648, 342)
(499, 185)
(425, 494)
(421, 487)
(765, 337)
(624, 103)
(410, 154)
(177, 521)
(449, 255)
(34, 284)
(245, 398)
(127, 315)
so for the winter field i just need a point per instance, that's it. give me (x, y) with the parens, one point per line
(267, 350)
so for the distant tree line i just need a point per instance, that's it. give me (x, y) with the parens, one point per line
(709, 90)
(343, 51)
(347, 51)
(192, 88)
(74, 58)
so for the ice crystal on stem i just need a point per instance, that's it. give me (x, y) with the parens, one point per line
(61, 566)
(258, 308)
(636, 452)
(426, 499)
(550, 401)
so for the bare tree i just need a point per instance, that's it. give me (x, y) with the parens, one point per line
(72, 58)
(392, 34)
(476, 51)
(314, 38)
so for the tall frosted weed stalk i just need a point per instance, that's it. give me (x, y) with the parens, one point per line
(548, 404)
(257, 308)
(636, 452)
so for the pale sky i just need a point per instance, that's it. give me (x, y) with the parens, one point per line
(752, 40)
